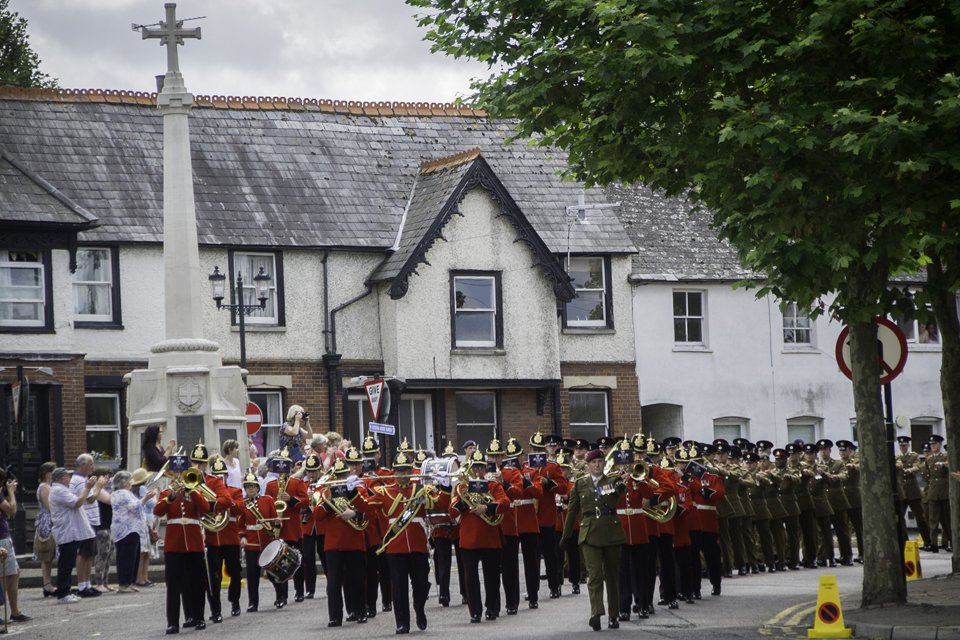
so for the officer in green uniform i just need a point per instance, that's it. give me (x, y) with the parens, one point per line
(908, 468)
(938, 493)
(594, 500)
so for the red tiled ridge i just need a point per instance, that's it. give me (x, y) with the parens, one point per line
(429, 166)
(250, 103)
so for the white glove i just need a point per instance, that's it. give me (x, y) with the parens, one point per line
(442, 480)
(353, 482)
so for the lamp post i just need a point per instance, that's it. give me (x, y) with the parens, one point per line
(218, 288)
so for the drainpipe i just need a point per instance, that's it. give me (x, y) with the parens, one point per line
(331, 359)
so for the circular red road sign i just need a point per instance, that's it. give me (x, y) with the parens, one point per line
(829, 612)
(910, 567)
(254, 418)
(894, 356)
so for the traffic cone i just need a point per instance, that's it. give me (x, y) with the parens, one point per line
(911, 561)
(919, 541)
(828, 619)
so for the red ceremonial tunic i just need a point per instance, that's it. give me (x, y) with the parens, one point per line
(556, 484)
(290, 529)
(633, 519)
(184, 533)
(667, 489)
(706, 497)
(391, 501)
(512, 486)
(475, 533)
(340, 535)
(681, 521)
(252, 531)
(529, 501)
(563, 509)
(230, 534)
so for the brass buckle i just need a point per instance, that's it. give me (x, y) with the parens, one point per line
(597, 512)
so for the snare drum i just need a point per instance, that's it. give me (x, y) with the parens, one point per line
(279, 561)
(432, 466)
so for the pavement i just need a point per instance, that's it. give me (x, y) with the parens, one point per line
(757, 606)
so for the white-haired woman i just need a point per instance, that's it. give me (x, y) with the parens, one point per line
(294, 431)
(128, 527)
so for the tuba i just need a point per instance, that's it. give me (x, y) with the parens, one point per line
(192, 480)
(475, 499)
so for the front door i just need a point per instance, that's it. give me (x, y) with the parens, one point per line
(35, 423)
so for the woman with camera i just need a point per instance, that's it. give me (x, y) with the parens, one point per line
(11, 570)
(294, 431)
(154, 455)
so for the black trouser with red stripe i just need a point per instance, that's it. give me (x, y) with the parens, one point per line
(635, 563)
(253, 576)
(472, 558)
(346, 579)
(668, 571)
(228, 555)
(510, 571)
(530, 547)
(186, 580)
(710, 545)
(312, 547)
(415, 568)
(548, 547)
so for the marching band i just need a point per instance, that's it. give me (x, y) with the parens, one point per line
(619, 515)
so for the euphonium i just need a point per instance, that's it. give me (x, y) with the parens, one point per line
(640, 472)
(192, 480)
(475, 499)
(339, 505)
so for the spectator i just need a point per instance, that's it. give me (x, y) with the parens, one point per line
(293, 432)
(333, 450)
(129, 526)
(154, 455)
(44, 544)
(11, 570)
(234, 475)
(71, 528)
(148, 543)
(254, 454)
(105, 548)
(88, 550)
(266, 473)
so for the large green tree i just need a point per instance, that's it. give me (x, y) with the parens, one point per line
(822, 134)
(19, 64)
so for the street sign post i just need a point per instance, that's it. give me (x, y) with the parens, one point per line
(374, 390)
(385, 429)
(893, 350)
(254, 418)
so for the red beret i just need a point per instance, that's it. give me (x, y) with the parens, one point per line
(593, 455)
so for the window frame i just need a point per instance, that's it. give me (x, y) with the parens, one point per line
(702, 344)
(276, 285)
(117, 429)
(805, 421)
(608, 426)
(47, 277)
(607, 293)
(116, 318)
(809, 344)
(266, 423)
(743, 424)
(497, 342)
(496, 412)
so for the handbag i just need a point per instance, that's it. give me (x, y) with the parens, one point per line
(154, 535)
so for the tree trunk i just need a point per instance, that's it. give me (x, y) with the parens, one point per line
(883, 578)
(943, 302)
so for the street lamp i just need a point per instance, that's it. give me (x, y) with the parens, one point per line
(218, 289)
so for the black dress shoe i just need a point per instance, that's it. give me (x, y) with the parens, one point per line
(742, 571)
(793, 567)
(643, 615)
(728, 573)
(201, 625)
(371, 612)
(755, 569)
(688, 599)
(216, 618)
(847, 562)
(334, 623)
(308, 595)
(491, 616)
(235, 609)
(771, 569)
(934, 549)
(422, 621)
(832, 563)
(858, 559)
(663, 602)
(351, 618)
(362, 618)
(464, 601)
(555, 593)
(511, 612)
(948, 549)
(613, 623)
(402, 630)
(625, 617)
(189, 622)
(298, 597)
(388, 606)
(475, 619)
(444, 601)
(595, 623)
(280, 604)
(252, 608)
(673, 605)
(173, 629)
(575, 590)
(533, 605)
(715, 591)
(697, 596)
(650, 609)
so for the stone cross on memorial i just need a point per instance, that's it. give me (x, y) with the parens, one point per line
(171, 33)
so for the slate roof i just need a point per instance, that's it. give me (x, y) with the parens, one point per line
(672, 243)
(279, 172)
(28, 199)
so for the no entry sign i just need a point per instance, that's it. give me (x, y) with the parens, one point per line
(892, 346)
(254, 418)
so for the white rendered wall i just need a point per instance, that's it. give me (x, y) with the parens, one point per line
(420, 333)
(746, 371)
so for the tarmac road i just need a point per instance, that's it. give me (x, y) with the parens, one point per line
(755, 606)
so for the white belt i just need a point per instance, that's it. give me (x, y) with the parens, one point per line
(254, 527)
(417, 520)
(184, 521)
(629, 512)
(706, 507)
(233, 519)
(520, 503)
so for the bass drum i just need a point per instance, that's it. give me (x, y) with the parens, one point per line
(432, 466)
(279, 561)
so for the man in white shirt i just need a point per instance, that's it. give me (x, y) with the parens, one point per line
(71, 528)
(91, 510)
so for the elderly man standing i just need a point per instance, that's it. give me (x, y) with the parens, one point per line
(87, 552)
(71, 528)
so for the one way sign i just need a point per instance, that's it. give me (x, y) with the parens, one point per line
(374, 390)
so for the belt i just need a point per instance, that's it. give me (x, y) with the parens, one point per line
(629, 512)
(706, 507)
(520, 503)
(254, 527)
(417, 520)
(233, 519)
(184, 521)
(597, 513)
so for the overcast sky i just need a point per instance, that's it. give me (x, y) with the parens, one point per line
(341, 50)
